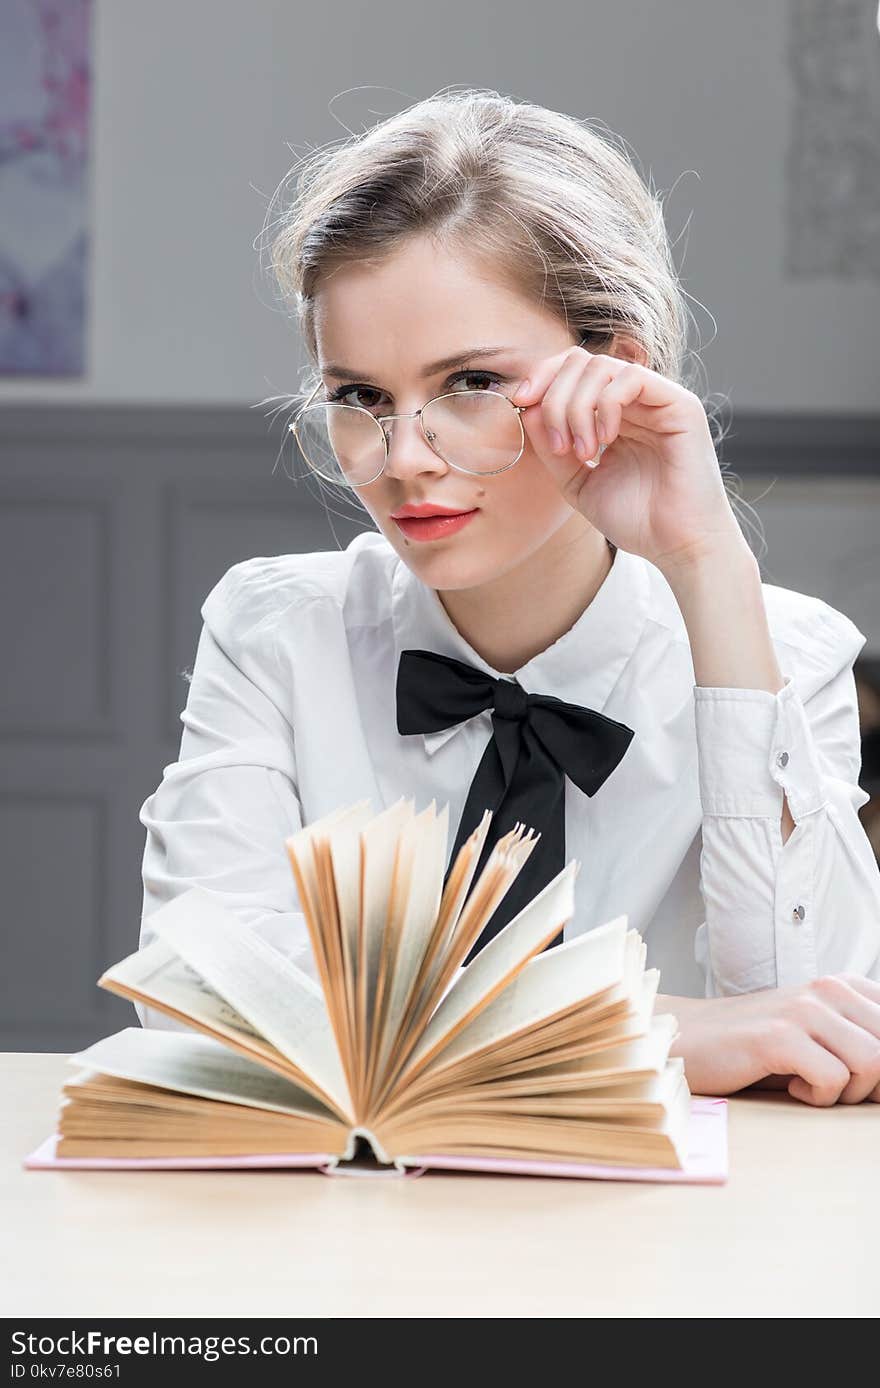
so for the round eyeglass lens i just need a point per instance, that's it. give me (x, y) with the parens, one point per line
(341, 443)
(478, 431)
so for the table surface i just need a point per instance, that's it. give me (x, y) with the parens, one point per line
(794, 1232)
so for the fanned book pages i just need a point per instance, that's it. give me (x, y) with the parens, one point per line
(528, 1059)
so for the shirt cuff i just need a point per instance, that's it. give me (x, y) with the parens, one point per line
(753, 746)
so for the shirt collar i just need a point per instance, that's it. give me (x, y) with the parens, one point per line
(582, 666)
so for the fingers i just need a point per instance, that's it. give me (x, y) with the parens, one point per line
(857, 1049)
(857, 1001)
(583, 397)
(584, 407)
(628, 386)
(837, 1014)
(866, 986)
(850, 996)
(567, 387)
(819, 1076)
(799, 1089)
(550, 410)
(583, 416)
(861, 1087)
(544, 371)
(578, 374)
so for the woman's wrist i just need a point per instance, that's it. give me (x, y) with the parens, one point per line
(716, 1042)
(721, 600)
(682, 1008)
(693, 1041)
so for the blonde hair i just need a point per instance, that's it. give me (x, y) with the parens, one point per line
(558, 209)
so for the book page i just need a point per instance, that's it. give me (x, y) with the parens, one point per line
(379, 841)
(345, 851)
(310, 854)
(419, 918)
(196, 1065)
(614, 1018)
(644, 1053)
(623, 1060)
(633, 1091)
(550, 983)
(535, 925)
(608, 1064)
(160, 974)
(455, 891)
(458, 925)
(301, 852)
(265, 987)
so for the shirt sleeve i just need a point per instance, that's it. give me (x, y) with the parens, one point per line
(219, 817)
(783, 913)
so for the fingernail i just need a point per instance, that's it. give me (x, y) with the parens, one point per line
(556, 440)
(523, 390)
(580, 447)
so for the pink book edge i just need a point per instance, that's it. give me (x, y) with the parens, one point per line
(706, 1162)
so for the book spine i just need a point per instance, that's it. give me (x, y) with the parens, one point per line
(350, 1165)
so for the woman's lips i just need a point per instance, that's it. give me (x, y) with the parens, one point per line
(433, 527)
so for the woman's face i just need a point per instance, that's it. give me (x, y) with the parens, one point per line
(385, 324)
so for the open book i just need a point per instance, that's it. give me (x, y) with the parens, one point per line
(401, 1058)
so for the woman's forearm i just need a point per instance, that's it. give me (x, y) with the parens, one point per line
(720, 1040)
(679, 1007)
(722, 603)
(692, 1042)
(714, 1040)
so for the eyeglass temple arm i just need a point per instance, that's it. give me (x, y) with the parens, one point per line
(292, 424)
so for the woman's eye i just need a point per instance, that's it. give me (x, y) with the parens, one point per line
(468, 377)
(367, 397)
(346, 395)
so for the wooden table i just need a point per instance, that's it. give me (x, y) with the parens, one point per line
(795, 1232)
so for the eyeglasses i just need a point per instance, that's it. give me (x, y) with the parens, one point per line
(475, 431)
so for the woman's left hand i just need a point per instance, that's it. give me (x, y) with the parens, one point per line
(657, 490)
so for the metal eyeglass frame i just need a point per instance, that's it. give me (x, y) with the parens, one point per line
(413, 414)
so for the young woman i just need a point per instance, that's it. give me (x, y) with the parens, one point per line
(487, 292)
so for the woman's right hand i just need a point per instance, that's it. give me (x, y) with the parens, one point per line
(819, 1040)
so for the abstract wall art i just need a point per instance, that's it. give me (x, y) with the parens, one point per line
(833, 159)
(45, 103)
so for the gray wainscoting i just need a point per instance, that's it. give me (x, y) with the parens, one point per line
(114, 524)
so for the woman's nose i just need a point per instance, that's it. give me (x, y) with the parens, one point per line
(408, 450)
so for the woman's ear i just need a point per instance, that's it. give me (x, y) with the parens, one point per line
(628, 350)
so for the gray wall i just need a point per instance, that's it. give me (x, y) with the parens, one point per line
(196, 104)
(113, 527)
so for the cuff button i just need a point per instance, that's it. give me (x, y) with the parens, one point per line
(782, 759)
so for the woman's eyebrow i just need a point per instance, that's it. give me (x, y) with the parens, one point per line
(344, 373)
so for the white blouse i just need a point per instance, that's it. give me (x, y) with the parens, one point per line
(291, 713)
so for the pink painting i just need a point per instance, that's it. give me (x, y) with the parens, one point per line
(45, 97)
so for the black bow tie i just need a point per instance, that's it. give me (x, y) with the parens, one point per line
(537, 740)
